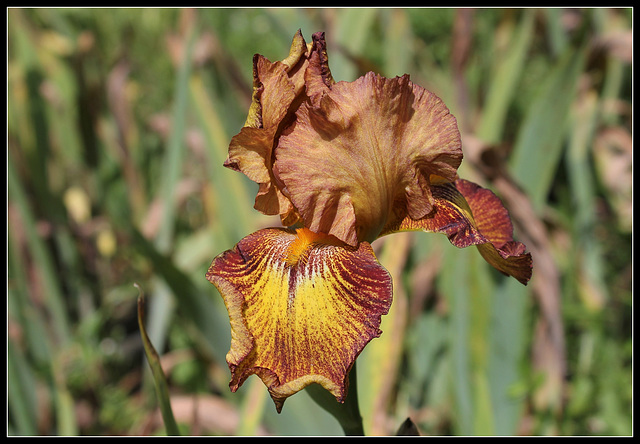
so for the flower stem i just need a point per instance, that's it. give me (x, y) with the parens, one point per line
(347, 413)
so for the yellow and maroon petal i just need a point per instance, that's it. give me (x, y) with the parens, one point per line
(302, 306)
(359, 148)
(471, 215)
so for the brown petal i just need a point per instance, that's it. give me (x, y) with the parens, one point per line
(318, 77)
(367, 145)
(276, 94)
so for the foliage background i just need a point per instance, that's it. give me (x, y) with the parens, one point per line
(118, 123)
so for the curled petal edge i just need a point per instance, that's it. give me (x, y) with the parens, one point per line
(302, 306)
(364, 147)
(471, 215)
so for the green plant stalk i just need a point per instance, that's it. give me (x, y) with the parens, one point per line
(505, 80)
(159, 379)
(42, 258)
(162, 304)
(21, 397)
(174, 155)
(539, 142)
(347, 413)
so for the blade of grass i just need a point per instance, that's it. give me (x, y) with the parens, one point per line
(203, 311)
(21, 397)
(507, 341)
(426, 341)
(352, 29)
(172, 168)
(555, 30)
(252, 408)
(453, 286)
(581, 180)
(36, 144)
(539, 143)
(163, 303)
(347, 413)
(398, 47)
(504, 81)
(301, 416)
(480, 289)
(159, 379)
(469, 287)
(379, 362)
(233, 206)
(23, 310)
(63, 404)
(43, 263)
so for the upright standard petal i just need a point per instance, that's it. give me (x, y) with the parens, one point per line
(278, 87)
(357, 150)
(471, 215)
(302, 306)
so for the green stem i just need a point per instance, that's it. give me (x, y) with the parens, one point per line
(159, 379)
(347, 413)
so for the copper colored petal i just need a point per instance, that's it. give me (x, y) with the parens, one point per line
(367, 145)
(278, 88)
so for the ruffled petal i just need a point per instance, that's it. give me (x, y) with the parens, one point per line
(277, 89)
(302, 306)
(318, 78)
(471, 215)
(493, 221)
(357, 150)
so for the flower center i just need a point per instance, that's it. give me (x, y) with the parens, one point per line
(305, 240)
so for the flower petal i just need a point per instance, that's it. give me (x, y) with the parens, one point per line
(318, 78)
(302, 307)
(276, 89)
(471, 215)
(493, 221)
(365, 147)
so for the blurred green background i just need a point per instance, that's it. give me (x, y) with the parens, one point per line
(118, 124)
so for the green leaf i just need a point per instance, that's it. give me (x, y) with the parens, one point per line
(205, 311)
(55, 300)
(159, 379)
(486, 339)
(507, 339)
(504, 81)
(539, 143)
(21, 397)
(352, 30)
(175, 148)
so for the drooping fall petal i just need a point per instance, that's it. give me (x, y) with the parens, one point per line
(493, 221)
(471, 215)
(358, 149)
(302, 306)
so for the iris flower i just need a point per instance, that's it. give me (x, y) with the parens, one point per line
(342, 163)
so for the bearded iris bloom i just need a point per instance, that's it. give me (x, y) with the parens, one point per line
(342, 163)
